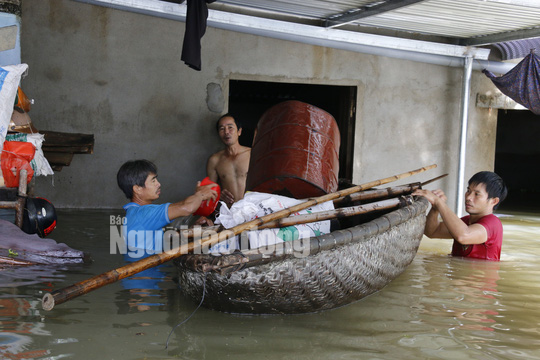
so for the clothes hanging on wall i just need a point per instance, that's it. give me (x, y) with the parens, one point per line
(196, 16)
(522, 83)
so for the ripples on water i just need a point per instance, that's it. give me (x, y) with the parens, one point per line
(440, 308)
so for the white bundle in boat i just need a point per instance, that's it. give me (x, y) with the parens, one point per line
(255, 205)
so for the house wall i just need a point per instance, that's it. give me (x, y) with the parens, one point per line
(118, 75)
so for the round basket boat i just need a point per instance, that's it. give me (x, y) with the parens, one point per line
(308, 275)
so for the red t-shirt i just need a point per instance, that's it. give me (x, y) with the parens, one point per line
(491, 249)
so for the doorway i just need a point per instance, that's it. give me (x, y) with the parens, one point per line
(517, 158)
(248, 100)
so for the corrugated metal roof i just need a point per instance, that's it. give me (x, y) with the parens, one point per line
(314, 9)
(459, 18)
(467, 22)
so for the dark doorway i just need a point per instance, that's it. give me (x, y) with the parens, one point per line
(248, 100)
(517, 159)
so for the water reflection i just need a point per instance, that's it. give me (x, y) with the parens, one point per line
(483, 308)
(20, 322)
(19, 276)
(143, 289)
(18, 329)
(474, 286)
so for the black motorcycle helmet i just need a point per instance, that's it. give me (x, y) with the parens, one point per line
(39, 217)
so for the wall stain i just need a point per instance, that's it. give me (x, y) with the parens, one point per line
(60, 20)
(321, 62)
(96, 119)
(101, 16)
(165, 108)
(54, 74)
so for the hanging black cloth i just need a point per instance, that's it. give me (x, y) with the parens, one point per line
(522, 83)
(196, 15)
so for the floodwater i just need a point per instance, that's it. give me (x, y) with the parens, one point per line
(439, 308)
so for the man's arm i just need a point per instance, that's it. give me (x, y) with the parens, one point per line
(190, 204)
(211, 168)
(451, 226)
(435, 228)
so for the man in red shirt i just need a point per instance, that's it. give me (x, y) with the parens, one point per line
(477, 235)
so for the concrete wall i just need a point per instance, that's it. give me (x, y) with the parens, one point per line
(119, 76)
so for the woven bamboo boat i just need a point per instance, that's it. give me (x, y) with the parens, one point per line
(311, 275)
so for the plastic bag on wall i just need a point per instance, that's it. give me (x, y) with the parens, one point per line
(10, 77)
(40, 164)
(16, 156)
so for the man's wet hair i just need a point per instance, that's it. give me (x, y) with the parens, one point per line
(236, 121)
(134, 172)
(495, 186)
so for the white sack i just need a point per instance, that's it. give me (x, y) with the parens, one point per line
(255, 205)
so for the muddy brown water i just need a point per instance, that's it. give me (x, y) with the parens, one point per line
(439, 308)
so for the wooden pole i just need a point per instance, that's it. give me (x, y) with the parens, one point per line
(379, 193)
(18, 204)
(191, 232)
(332, 214)
(62, 295)
(390, 192)
(21, 201)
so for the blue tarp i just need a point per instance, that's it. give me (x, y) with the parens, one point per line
(522, 83)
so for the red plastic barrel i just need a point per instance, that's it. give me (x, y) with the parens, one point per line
(295, 152)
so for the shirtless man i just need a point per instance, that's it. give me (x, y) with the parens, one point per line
(229, 166)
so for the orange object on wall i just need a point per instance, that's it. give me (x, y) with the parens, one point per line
(295, 152)
(16, 155)
(22, 101)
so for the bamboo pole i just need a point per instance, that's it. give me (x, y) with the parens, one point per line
(313, 217)
(6, 260)
(379, 193)
(62, 295)
(18, 204)
(21, 201)
(332, 214)
(191, 232)
(390, 192)
(329, 214)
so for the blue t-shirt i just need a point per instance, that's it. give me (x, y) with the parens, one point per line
(145, 225)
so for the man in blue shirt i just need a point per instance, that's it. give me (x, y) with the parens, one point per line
(144, 220)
